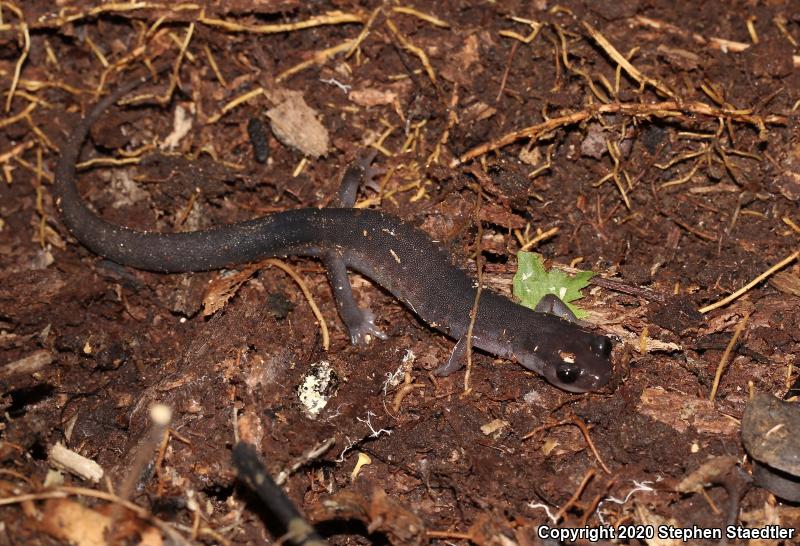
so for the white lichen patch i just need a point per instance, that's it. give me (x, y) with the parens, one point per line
(317, 387)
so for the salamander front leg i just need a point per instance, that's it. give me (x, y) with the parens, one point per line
(360, 322)
(552, 305)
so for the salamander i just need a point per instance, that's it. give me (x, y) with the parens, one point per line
(401, 258)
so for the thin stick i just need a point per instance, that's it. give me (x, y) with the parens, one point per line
(17, 499)
(710, 502)
(539, 238)
(432, 19)
(585, 430)
(632, 71)
(331, 18)
(364, 32)
(307, 457)
(414, 49)
(473, 315)
(578, 423)
(26, 479)
(778, 266)
(214, 67)
(449, 534)
(726, 355)
(252, 471)
(258, 91)
(404, 390)
(666, 109)
(326, 340)
(21, 61)
(119, 501)
(576, 495)
(504, 79)
(15, 118)
(318, 58)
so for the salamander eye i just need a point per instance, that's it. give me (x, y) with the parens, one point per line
(601, 345)
(568, 373)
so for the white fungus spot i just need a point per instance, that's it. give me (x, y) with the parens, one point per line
(313, 390)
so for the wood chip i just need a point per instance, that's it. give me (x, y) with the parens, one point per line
(493, 426)
(296, 125)
(786, 282)
(681, 411)
(66, 459)
(680, 58)
(372, 96)
(34, 362)
(73, 523)
(709, 472)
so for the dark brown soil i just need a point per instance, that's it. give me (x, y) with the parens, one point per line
(678, 205)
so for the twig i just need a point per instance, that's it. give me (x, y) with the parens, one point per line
(26, 47)
(713, 42)
(119, 501)
(778, 266)
(449, 534)
(332, 18)
(317, 59)
(665, 109)
(539, 238)
(214, 67)
(617, 286)
(404, 390)
(585, 430)
(308, 456)
(364, 32)
(252, 471)
(578, 423)
(17, 117)
(632, 71)
(323, 326)
(414, 50)
(432, 19)
(576, 495)
(504, 79)
(30, 481)
(725, 355)
(473, 315)
(254, 93)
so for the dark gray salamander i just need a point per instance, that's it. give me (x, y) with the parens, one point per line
(397, 256)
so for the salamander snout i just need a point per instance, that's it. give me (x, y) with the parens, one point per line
(578, 363)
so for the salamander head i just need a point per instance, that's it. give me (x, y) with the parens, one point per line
(574, 360)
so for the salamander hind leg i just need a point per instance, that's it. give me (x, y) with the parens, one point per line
(456, 360)
(359, 172)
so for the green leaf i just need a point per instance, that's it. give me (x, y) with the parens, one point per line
(532, 282)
